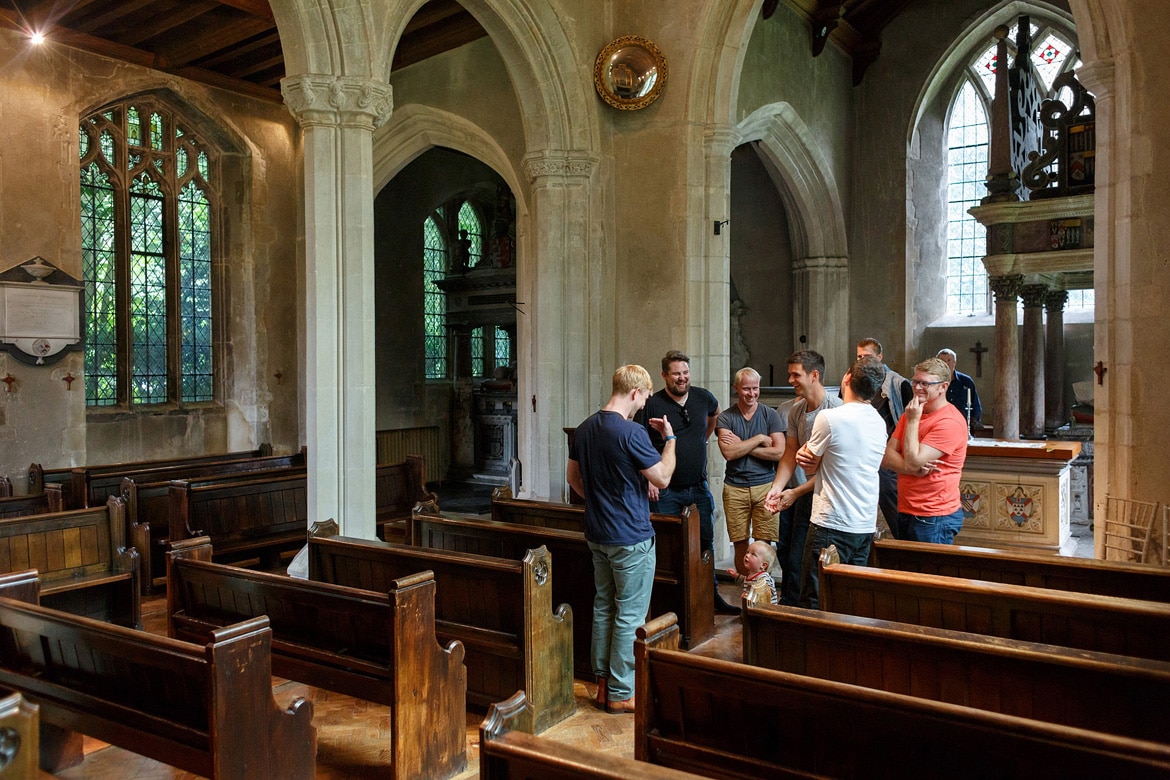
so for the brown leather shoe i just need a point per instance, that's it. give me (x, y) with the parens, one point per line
(623, 707)
(601, 701)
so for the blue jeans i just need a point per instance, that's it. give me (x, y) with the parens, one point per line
(853, 548)
(624, 579)
(888, 503)
(940, 529)
(790, 548)
(673, 502)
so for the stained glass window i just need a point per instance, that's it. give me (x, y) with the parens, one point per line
(147, 247)
(469, 221)
(477, 368)
(434, 299)
(503, 347)
(967, 161)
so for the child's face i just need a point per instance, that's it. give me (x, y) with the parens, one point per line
(753, 561)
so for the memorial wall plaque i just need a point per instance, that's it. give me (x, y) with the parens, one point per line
(39, 320)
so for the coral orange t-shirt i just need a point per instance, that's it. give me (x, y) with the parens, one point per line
(938, 492)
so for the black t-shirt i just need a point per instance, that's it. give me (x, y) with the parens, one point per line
(690, 426)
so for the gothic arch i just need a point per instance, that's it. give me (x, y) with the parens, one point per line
(806, 180)
(414, 129)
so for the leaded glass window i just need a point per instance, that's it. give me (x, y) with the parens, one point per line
(434, 299)
(503, 347)
(148, 231)
(469, 221)
(477, 368)
(967, 160)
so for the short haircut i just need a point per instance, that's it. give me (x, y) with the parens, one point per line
(874, 343)
(936, 368)
(674, 356)
(865, 377)
(809, 360)
(745, 371)
(766, 553)
(948, 352)
(631, 377)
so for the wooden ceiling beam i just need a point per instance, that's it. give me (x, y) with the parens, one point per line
(113, 12)
(210, 42)
(77, 40)
(50, 11)
(258, 8)
(242, 50)
(163, 23)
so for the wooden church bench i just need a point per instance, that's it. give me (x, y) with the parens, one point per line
(206, 708)
(684, 577)
(1057, 572)
(94, 485)
(730, 720)
(38, 476)
(85, 566)
(1115, 694)
(1103, 624)
(36, 504)
(500, 609)
(573, 584)
(507, 754)
(248, 516)
(398, 489)
(374, 645)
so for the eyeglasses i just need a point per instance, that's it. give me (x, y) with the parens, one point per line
(920, 383)
(686, 416)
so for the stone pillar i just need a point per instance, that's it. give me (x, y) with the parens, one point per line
(338, 116)
(820, 310)
(1032, 362)
(1007, 356)
(570, 341)
(1055, 409)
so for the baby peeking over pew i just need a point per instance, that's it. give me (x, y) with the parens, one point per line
(758, 585)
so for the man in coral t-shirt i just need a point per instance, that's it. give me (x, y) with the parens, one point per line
(927, 450)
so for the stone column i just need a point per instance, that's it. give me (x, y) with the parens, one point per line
(1007, 356)
(820, 310)
(1032, 362)
(338, 116)
(1055, 409)
(568, 338)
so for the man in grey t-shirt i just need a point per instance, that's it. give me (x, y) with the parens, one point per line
(751, 438)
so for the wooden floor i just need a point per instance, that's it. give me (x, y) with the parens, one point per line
(352, 734)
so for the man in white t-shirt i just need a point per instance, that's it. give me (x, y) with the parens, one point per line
(844, 452)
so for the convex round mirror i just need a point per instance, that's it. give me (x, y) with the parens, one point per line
(630, 73)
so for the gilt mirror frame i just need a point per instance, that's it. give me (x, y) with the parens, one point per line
(630, 73)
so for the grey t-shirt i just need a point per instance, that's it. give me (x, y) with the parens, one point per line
(800, 425)
(750, 471)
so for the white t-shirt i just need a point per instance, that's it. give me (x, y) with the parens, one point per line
(850, 440)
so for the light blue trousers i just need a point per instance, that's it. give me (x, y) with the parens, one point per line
(624, 578)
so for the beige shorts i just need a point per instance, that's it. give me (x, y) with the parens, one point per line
(746, 515)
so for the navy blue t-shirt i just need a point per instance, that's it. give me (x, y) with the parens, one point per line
(611, 452)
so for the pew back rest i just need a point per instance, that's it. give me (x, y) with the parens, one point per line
(234, 511)
(469, 589)
(1079, 575)
(339, 620)
(66, 545)
(398, 487)
(1100, 623)
(39, 504)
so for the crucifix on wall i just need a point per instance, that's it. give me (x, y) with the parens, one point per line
(978, 349)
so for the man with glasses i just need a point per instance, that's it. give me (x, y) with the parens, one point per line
(751, 438)
(692, 412)
(927, 450)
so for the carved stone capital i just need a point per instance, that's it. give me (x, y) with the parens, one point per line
(337, 101)
(720, 141)
(1007, 287)
(1055, 300)
(1034, 295)
(564, 165)
(1097, 77)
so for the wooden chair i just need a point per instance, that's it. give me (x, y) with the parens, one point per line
(1128, 526)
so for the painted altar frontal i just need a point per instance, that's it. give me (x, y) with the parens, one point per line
(1018, 494)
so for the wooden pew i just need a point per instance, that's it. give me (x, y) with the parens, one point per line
(379, 646)
(250, 516)
(398, 489)
(1057, 572)
(505, 754)
(729, 720)
(38, 476)
(573, 584)
(19, 737)
(500, 609)
(1103, 624)
(684, 577)
(86, 568)
(94, 484)
(42, 503)
(1097, 691)
(206, 708)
